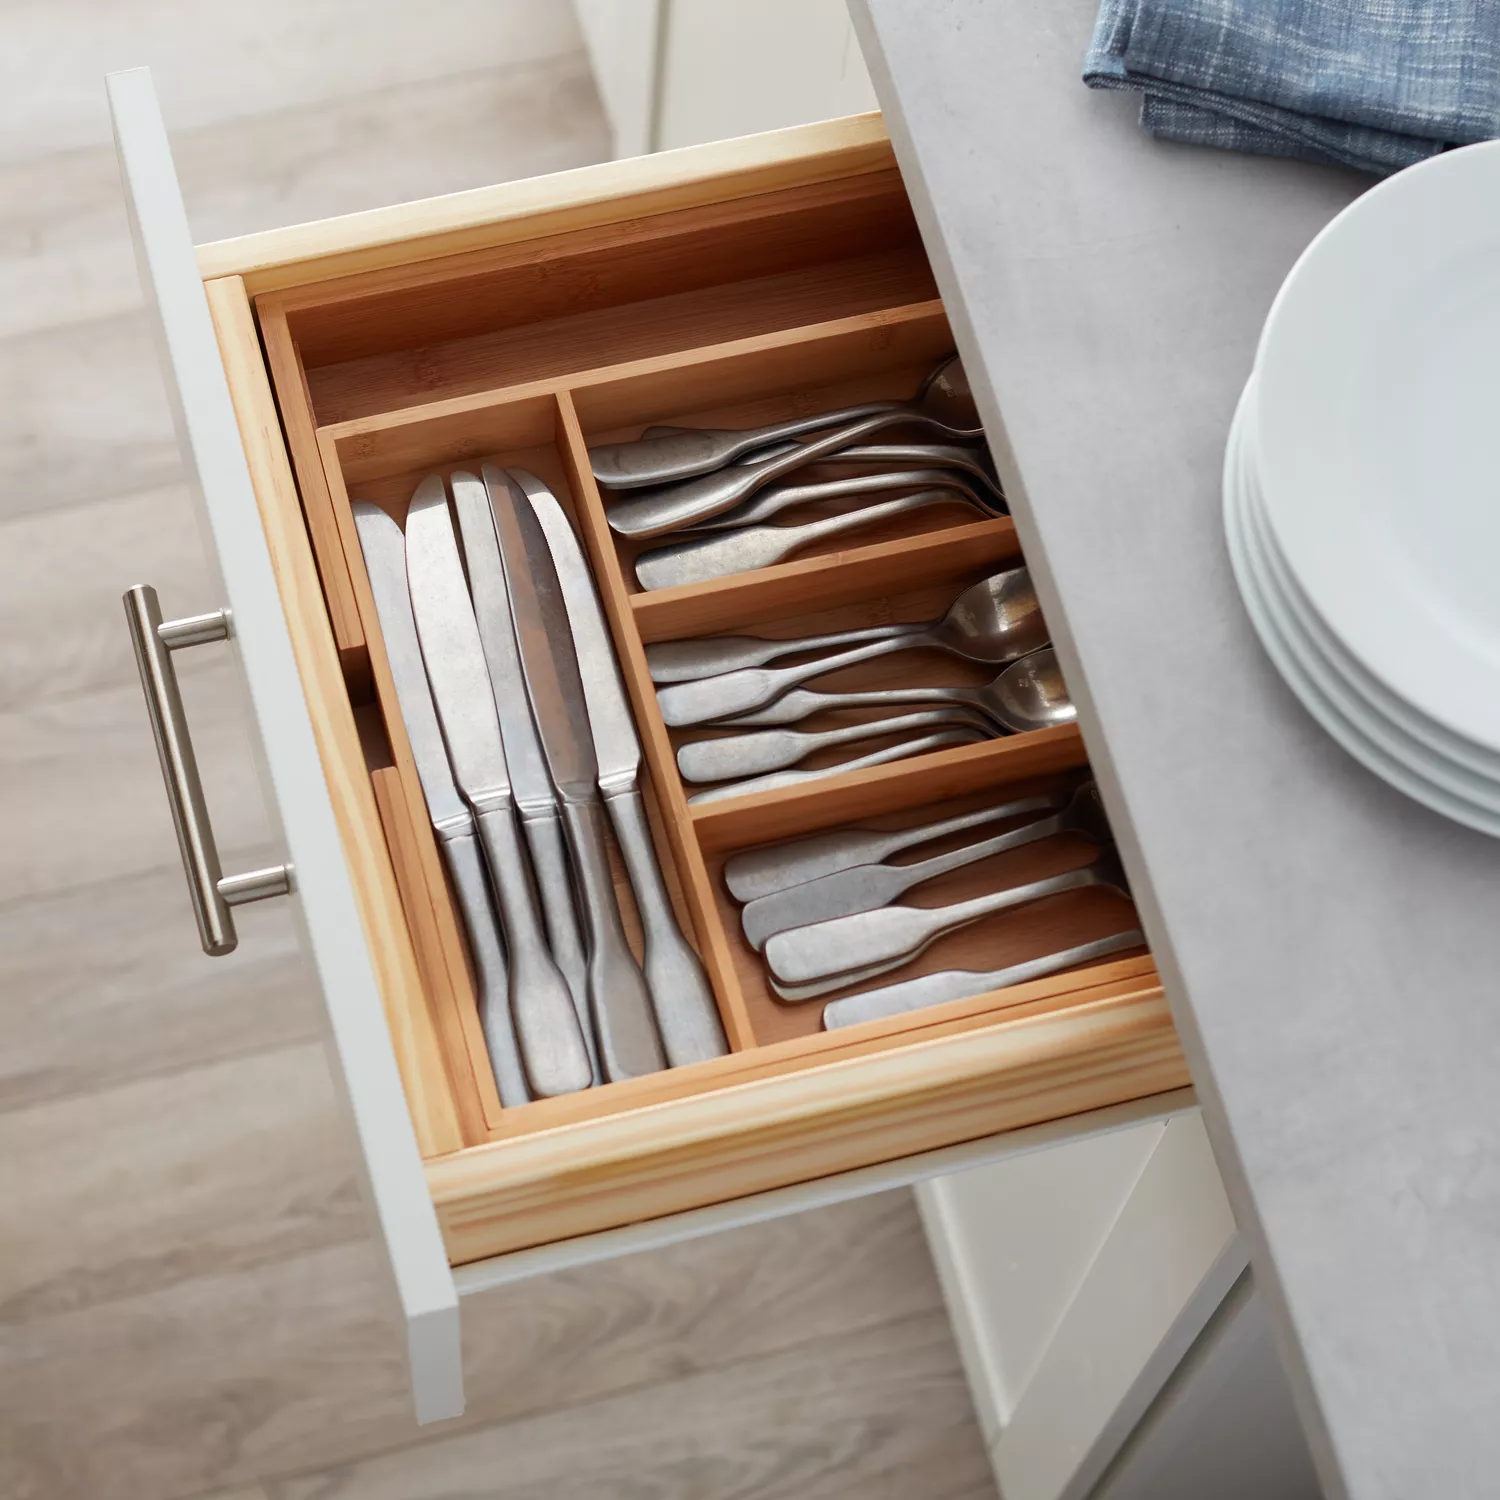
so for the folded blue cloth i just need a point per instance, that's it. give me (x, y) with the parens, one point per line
(1372, 84)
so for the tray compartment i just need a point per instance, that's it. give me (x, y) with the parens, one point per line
(545, 308)
(922, 592)
(1043, 927)
(440, 948)
(525, 350)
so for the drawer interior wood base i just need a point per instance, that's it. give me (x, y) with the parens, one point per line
(725, 315)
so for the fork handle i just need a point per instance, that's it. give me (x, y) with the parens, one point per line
(872, 937)
(961, 984)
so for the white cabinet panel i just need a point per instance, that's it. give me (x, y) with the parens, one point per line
(359, 1044)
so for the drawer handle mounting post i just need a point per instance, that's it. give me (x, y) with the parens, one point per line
(212, 892)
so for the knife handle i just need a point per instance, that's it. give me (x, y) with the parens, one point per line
(554, 884)
(623, 1021)
(541, 1008)
(686, 1014)
(466, 867)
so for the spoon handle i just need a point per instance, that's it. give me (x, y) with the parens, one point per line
(708, 656)
(710, 698)
(683, 453)
(802, 703)
(674, 506)
(869, 887)
(961, 984)
(871, 937)
(774, 867)
(776, 498)
(860, 763)
(736, 755)
(745, 548)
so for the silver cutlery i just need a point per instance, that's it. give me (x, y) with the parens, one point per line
(530, 785)
(961, 984)
(547, 1031)
(881, 757)
(686, 1014)
(669, 507)
(384, 549)
(796, 994)
(995, 620)
(901, 932)
(869, 887)
(624, 1022)
(770, 502)
(748, 547)
(755, 873)
(686, 453)
(968, 456)
(713, 655)
(1028, 694)
(740, 755)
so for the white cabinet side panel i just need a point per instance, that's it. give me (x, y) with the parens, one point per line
(1013, 1242)
(731, 69)
(1225, 1426)
(623, 38)
(361, 1051)
(1169, 1260)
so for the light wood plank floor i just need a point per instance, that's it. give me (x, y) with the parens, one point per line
(189, 1302)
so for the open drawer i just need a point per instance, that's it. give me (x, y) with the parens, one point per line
(724, 285)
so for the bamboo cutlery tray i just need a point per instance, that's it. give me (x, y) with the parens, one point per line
(720, 313)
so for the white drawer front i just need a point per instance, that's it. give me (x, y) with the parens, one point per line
(359, 1042)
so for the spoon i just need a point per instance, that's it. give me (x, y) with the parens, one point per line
(754, 873)
(777, 498)
(1028, 694)
(873, 937)
(995, 620)
(960, 984)
(673, 506)
(711, 655)
(969, 458)
(738, 755)
(750, 547)
(881, 757)
(685, 452)
(869, 887)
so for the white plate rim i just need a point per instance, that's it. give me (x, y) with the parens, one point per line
(1431, 742)
(1314, 698)
(1450, 681)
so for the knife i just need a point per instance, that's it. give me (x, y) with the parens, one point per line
(547, 1031)
(621, 1004)
(385, 561)
(530, 785)
(686, 1014)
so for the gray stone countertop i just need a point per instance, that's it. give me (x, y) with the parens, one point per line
(1331, 950)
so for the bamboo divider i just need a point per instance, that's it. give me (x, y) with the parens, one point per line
(777, 1107)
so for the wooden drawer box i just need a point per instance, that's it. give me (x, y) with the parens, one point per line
(725, 285)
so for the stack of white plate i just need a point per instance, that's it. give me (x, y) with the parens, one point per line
(1362, 483)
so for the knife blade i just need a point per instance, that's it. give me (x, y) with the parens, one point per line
(530, 785)
(384, 549)
(686, 1013)
(619, 999)
(551, 1044)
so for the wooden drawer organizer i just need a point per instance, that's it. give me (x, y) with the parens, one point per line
(725, 311)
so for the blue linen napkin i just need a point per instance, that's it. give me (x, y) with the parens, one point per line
(1372, 84)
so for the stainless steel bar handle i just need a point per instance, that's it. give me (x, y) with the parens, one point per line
(212, 892)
